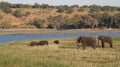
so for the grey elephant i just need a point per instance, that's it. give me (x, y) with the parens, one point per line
(86, 41)
(105, 39)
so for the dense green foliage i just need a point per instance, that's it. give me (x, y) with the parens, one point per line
(93, 20)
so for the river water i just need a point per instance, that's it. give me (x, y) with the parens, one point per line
(17, 37)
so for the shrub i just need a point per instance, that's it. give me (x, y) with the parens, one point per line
(60, 10)
(81, 9)
(6, 24)
(5, 7)
(17, 14)
(51, 26)
(7, 10)
(69, 10)
(37, 23)
(1, 17)
(15, 26)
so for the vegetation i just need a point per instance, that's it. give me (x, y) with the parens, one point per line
(27, 14)
(65, 8)
(6, 24)
(1, 17)
(5, 7)
(17, 14)
(81, 9)
(38, 23)
(64, 16)
(19, 54)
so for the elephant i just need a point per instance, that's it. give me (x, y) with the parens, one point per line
(33, 43)
(56, 41)
(105, 39)
(86, 41)
(43, 42)
(40, 43)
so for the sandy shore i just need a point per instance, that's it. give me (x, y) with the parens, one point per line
(53, 31)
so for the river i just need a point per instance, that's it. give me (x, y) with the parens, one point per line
(17, 37)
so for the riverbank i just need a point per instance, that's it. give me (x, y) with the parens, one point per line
(65, 54)
(53, 31)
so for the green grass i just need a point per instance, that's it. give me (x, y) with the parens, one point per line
(19, 54)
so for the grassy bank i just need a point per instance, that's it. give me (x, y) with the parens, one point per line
(52, 31)
(18, 54)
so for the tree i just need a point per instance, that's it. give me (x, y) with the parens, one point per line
(69, 10)
(89, 21)
(57, 21)
(107, 20)
(65, 8)
(60, 10)
(75, 21)
(36, 5)
(6, 24)
(73, 6)
(38, 23)
(44, 6)
(116, 21)
(5, 7)
(95, 8)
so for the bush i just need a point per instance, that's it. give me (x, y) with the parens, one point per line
(60, 10)
(17, 14)
(81, 9)
(37, 23)
(7, 10)
(51, 26)
(6, 24)
(1, 17)
(5, 7)
(15, 26)
(69, 10)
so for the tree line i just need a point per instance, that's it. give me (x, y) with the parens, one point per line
(93, 20)
(6, 7)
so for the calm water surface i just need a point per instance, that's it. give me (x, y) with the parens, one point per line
(17, 37)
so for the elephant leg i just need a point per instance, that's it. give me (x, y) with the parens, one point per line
(78, 45)
(93, 46)
(111, 45)
(103, 44)
(83, 46)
